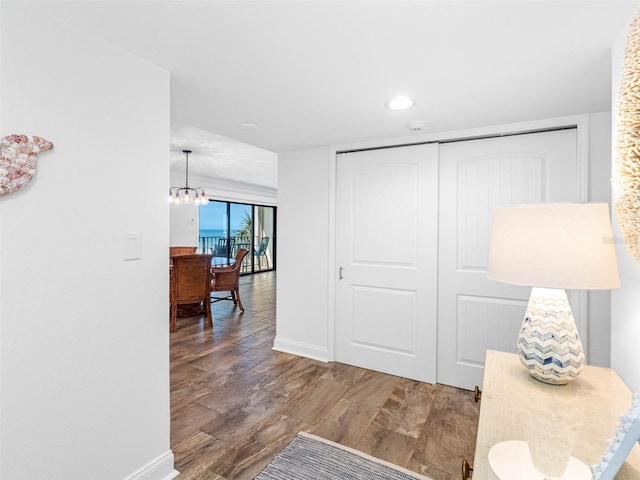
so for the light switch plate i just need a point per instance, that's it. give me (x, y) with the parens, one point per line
(131, 246)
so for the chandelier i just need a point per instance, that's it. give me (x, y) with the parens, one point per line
(187, 195)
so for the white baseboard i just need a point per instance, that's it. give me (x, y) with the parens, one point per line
(159, 469)
(314, 352)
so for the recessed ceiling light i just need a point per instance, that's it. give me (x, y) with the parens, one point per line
(400, 103)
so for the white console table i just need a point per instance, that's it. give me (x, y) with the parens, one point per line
(557, 421)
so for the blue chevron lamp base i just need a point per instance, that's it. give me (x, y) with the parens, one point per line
(548, 344)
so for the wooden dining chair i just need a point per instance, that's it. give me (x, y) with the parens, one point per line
(173, 251)
(227, 279)
(190, 283)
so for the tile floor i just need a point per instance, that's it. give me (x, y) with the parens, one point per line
(235, 403)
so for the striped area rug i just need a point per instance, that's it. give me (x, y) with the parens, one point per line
(313, 458)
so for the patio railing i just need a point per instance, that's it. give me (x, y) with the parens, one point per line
(227, 248)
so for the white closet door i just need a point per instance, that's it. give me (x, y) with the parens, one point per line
(387, 257)
(474, 313)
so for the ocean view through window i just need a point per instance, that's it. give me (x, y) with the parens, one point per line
(225, 228)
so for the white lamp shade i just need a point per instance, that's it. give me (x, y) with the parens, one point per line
(567, 246)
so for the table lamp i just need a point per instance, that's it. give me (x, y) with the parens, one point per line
(552, 247)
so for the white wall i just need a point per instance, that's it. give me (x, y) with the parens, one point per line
(625, 301)
(228, 191)
(303, 250)
(84, 334)
(183, 225)
(599, 319)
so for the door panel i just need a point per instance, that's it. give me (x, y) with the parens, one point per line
(478, 315)
(484, 183)
(375, 306)
(387, 256)
(477, 176)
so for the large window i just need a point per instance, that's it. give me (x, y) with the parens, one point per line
(227, 227)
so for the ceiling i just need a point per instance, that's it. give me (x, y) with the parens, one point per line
(221, 162)
(310, 73)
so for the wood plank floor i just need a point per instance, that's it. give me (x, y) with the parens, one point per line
(235, 403)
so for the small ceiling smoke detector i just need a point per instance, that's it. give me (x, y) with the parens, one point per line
(400, 103)
(417, 125)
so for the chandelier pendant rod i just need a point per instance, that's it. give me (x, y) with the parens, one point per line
(186, 182)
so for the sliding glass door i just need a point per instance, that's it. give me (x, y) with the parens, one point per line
(226, 227)
(263, 234)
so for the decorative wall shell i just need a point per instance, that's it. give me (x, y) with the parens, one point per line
(626, 171)
(19, 160)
